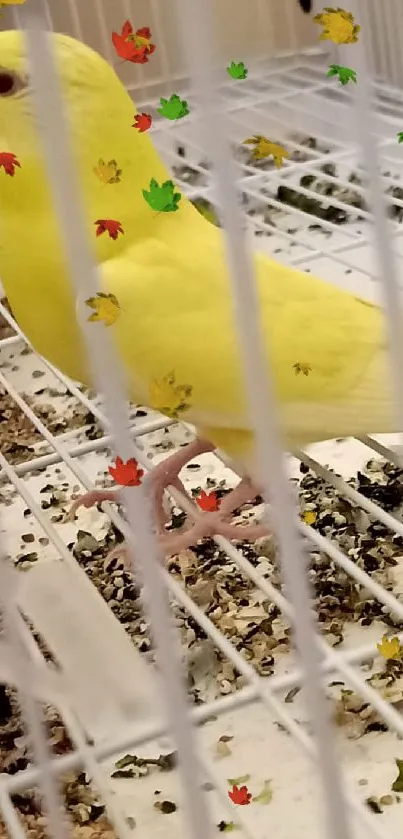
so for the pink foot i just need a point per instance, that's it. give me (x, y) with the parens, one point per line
(158, 480)
(207, 525)
(216, 524)
(90, 499)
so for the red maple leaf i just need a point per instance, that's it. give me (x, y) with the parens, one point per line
(127, 44)
(208, 501)
(144, 34)
(9, 161)
(126, 474)
(240, 795)
(108, 225)
(142, 122)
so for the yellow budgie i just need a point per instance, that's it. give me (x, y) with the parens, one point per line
(167, 274)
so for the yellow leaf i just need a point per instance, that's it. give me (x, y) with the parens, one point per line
(108, 173)
(309, 517)
(168, 397)
(11, 3)
(106, 308)
(390, 648)
(265, 148)
(338, 26)
(300, 367)
(141, 40)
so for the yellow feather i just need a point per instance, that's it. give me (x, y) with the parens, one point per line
(168, 273)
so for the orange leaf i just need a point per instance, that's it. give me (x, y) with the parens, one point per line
(208, 501)
(142, 122)
(240, 795)
(133, 46)
(108, 225)
(9, 161)
(126, 474)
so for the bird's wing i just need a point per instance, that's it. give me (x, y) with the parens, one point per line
(177, 317)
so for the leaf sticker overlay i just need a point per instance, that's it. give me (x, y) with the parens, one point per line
(305, 369)
(170, 398)
(133, 46)
(126, 474)
(108, 173)
(309, 517)
(208, 501)
(338, 26)
(174, 107)
(237, 71)
(142, 122)
(390, 648)
(265, 148)
(345, 74)
(162, 198)
(106, 308)
(9, 162)
(110, 226)
(240, 795)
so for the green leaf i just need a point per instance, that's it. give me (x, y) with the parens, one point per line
(333, 70)
(162, 198)
(174, 107)
(266, 795)
(237, 782)
(397, 785)
(400, 137)
(345, 74)
(237, 71)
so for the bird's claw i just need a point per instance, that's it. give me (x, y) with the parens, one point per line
(90, 499)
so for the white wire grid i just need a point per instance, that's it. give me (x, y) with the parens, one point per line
(286, 78)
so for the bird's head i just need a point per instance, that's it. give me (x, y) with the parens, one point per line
(100, 115)
(87, 82)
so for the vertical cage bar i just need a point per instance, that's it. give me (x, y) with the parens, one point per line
(378, 23)
(362, 101)
(195, 23)
(105, 34)
(390, 22)
(58, 820)
(107, 376)
(139, 68)
(76, 20)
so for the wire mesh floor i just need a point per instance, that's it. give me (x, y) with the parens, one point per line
(242, 676)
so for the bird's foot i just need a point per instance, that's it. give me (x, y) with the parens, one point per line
(90, 499)
(166, 474)
(157, 480)
(205, 525)
(217, 523)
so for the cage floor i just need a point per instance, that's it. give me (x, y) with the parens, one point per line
(324, 227)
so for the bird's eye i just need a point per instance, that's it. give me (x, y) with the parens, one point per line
(8, 83)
